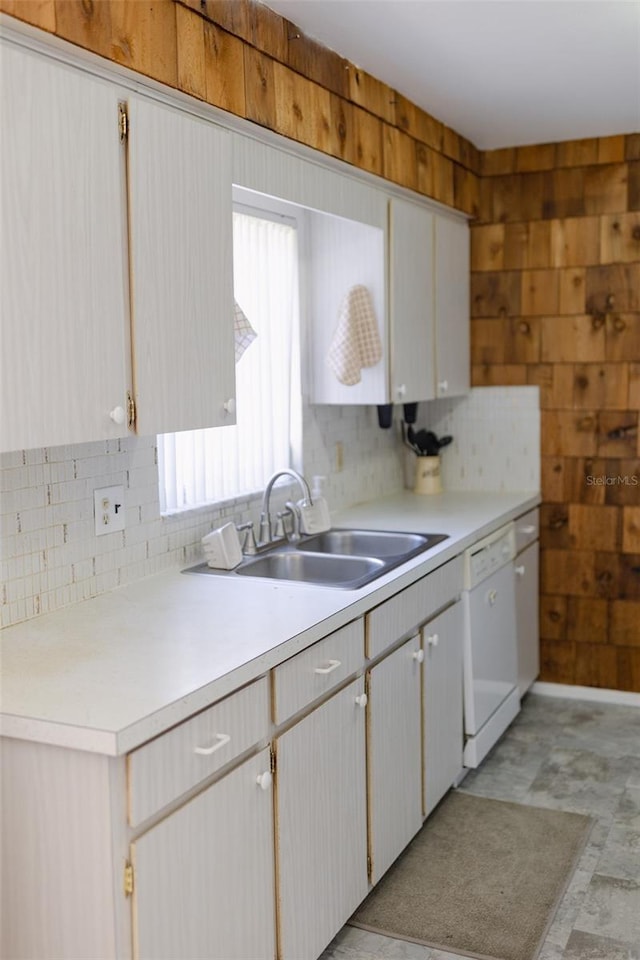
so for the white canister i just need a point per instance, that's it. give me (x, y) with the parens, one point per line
(427, 475)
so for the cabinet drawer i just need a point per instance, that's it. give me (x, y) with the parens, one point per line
(163, 769)
(527, 529)
(410, 608)
(320, 668)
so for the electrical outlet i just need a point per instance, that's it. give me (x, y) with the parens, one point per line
(108, 509)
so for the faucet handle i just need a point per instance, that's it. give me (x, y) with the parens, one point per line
(265, 529)
(281, 530)
(249, 546)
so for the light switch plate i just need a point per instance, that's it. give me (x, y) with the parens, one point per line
(108, 508)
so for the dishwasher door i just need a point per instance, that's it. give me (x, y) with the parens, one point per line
(491, 653)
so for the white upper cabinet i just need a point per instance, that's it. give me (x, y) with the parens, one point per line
(63, 281)
(115, 258)
(344, 254)
(411, 302)
(452, 352)
(180, 223)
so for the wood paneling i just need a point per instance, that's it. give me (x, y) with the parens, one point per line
(487, 247)
(634, 185)
(39, 13)
(317, 63)
(631, 529)
(575, 242)
(620, 238)
(605, 189)
(563, 193)
(553, 617)
(572, 338)
(343, 130)
(570, 240)
(143, 37)
(372, 94)
(498, 162)
(571, 290)
(191, 53)
(577, 153)
(537, 157)
(260, 94)
(632, 146)
(465, 189)
(540, 294)
(399, 162)
(303, 110)
(368, 133)
(594, 528)
(596, 665)
(495, 294)
(557, 661)
(87, 24)
(587, 619)
(443, 180)
(611, 149)
(224, 70)
(419, 124)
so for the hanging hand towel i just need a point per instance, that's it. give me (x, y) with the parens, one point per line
(243, 331)
(356, 341)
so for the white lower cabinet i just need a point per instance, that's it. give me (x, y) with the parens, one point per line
(321, 823)
(443, 733)
(394, 762)
(204, 876)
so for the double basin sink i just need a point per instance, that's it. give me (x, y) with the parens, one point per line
(345, 559)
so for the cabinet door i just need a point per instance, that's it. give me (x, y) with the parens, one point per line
(204, 876)
(443, 735)
(63, 284)
(527, 617)
(452, 307)
(411, 299)
(394, 762)
(321, 824)
(343, 254)
(180, 222)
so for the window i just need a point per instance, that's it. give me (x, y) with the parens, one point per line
(203, 466)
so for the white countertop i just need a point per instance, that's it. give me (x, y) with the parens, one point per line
(109, 673)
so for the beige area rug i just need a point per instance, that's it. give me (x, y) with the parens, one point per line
(483, 878)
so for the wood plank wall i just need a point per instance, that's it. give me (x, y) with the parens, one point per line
(555, 273)
(556, 302)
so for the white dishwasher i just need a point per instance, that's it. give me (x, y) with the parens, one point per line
(491, 695)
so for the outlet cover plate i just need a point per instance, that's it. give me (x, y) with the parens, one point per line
(108, 508)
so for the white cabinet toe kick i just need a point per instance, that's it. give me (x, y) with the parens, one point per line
(478, 746)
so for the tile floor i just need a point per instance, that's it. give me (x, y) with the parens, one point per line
(570, 755)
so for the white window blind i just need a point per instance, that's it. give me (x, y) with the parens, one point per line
(202, 466)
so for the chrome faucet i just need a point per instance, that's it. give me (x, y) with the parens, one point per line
(265, 519)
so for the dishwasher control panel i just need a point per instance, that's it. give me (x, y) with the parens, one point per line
(488, 555)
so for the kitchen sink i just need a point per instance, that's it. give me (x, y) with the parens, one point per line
(371, 543)
(345, 559)
(330, 569)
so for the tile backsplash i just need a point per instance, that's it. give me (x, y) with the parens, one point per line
(496, 438)
(51, 557)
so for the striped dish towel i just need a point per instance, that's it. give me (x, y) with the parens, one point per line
(356, 341)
